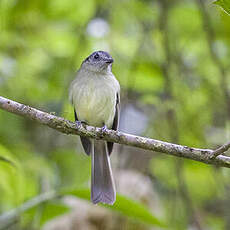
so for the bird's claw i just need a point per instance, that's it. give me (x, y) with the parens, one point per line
(104, 128)
(80, 123)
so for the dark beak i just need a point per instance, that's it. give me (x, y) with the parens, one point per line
(109, 60)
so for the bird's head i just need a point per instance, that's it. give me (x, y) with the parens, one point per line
(98, 61)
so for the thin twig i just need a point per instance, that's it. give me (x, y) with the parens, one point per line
(220, 150)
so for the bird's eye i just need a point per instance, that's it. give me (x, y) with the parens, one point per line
(96, 56)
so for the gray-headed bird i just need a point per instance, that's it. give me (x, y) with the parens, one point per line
(95, 95)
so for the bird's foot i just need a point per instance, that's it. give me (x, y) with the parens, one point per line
(80, 123)
(104, 129)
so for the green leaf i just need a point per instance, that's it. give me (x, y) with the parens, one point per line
(43, 212)
(125, 206)
(12, 183)
(224, 4)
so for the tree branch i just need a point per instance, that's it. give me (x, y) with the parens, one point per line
(68, 127)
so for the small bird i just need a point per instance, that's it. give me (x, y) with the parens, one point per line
(95, 95)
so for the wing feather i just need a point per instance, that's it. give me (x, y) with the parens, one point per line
(115, 122)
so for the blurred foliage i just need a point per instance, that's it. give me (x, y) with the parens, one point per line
(225, 4)
(125, 206)
(172, 61)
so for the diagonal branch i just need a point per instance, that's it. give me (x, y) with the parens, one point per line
(68, 127)
(220, 150)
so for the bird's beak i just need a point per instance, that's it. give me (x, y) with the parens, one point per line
(109, 60)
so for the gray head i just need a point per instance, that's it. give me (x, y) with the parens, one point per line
(98, 61)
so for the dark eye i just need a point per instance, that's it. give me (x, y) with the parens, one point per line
(96, 56)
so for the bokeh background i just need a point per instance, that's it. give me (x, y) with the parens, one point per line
(172, 61)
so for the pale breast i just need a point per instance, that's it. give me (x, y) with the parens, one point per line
(94, 101)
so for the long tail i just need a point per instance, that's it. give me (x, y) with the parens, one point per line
(102, 183)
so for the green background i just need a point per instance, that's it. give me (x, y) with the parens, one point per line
(172, 61)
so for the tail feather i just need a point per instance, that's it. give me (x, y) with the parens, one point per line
(102, 183)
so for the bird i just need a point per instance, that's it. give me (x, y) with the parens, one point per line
(95, 96)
